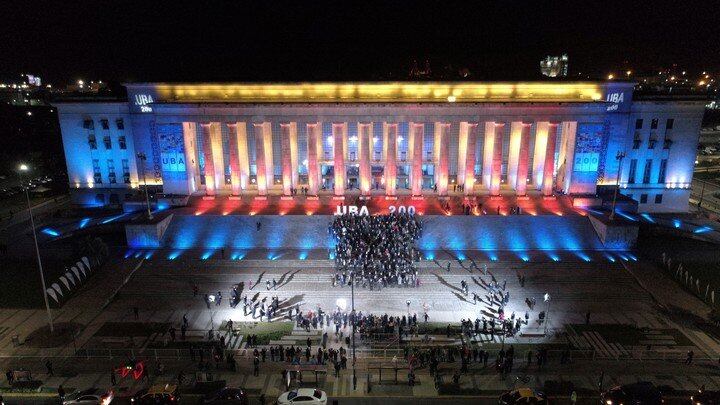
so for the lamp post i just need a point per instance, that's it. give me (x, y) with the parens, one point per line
(142, 157)
(619, 157)
(22, 169)
(546, 298)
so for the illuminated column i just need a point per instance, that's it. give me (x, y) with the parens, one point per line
(488, 146)
(496, 168)
(364, 145)
(295, 175)
(390, 146)
(217, 155)
(444, 137)
(190, 138)
(469, 169)
(417, 133)
(286, 158)
(541, 139)
(462, 152)
(243, 155)
(523, 160)
(314, 134)
(513, 153)
(234, 157)
(339, 132)
(549, 163)
(209, 169)
(263, 156)
(566, 157)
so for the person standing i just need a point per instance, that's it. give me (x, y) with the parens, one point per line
(61, 393)
(256, 365)
(573, 398)
(113, 379)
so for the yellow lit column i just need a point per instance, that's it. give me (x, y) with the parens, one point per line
(541, 142)
(417, 133)
(286, 158)
(513, 154)
(444, 137)
(217, 155)
(390, 145)
(191, 165)
(496, 169)
(243, 155)
(469, 169)
(209, 169)
(314, 134)
(234, 157)
(462, 152)
(523, 160)
(263, 156)
(549, 164)
(339, 132)
(488, 146)
(364, 145)
(295, 175)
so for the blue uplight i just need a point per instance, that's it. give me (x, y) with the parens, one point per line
(492, 256)
(429, 255)
(207, 254)
(138, 254)
(626, 216)
(583, 256)
(83, 223)
(647, 217)
(50, 232)
(460, 256)
(524, 256)
(237, 255)
(703, 229)
(632, 257)
(162, 206)
(149, 254)
(174, 255)
(622, 256)
(610, 258)
(554, 257)
(303, 255)
(108, 220)
(676, 223)
(129, 253)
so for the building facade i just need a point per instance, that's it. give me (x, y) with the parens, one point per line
(382, 138)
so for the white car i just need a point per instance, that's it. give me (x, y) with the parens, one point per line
(90, 399)
(303, 396)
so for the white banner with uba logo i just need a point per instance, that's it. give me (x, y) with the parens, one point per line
(173, 162)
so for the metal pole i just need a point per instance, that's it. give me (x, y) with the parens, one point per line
(620, 156)
(354, 321)
(702, 193)
(142, 158)
(39, 260)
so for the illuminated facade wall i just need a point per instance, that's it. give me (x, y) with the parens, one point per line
(388, 139)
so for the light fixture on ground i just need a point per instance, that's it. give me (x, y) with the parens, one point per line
(23, 168)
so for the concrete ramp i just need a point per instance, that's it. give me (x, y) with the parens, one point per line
(521, 232)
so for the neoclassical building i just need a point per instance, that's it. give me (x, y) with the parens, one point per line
(430, 138)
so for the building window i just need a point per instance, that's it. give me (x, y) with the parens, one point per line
(633, 169)
(651, 142)
(107, 142)
(637, 140)
(97, 176)
(643, 198)
(126, 171)
(92, 141)
(663, 169)
(120, 124)
(654, 123)
(88, 124)
(646, 171)
(658, 198)
(122, 143)
(638, 123)
(669, 123)
(104, 124)
(111, 171)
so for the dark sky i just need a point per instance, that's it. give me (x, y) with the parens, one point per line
(341, 40)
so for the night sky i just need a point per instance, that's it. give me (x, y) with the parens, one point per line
(339, 40)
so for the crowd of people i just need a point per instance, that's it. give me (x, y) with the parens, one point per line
(376, 251)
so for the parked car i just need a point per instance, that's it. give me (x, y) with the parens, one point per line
(157, 394)
(522, 396)
(640, 393)
(303, 396)
(92, 396)
(705, 397)
(227, 395)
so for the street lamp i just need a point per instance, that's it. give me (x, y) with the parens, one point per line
(619, 157)
(142, 157)
(23, 168)
(354, 322)
(546, 298)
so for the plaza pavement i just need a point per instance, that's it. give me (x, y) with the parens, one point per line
(614, 292)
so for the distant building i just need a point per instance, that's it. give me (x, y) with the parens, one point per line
(554, 66)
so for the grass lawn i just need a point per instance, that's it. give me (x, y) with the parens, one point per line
(265, 331)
